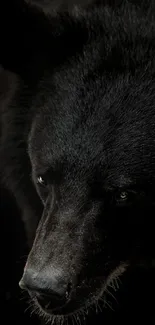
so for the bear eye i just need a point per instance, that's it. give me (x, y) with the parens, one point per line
(41, 180)
(121, 197)
(43, 187)
(125, 197)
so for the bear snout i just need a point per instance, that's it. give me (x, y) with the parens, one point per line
(50, 292)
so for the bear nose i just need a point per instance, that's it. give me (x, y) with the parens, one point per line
(51, 292)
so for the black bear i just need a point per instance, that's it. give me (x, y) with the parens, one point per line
(78, 148)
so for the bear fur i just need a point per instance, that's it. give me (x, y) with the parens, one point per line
(78, 146)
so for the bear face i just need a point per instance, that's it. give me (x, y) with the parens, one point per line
(90, 148)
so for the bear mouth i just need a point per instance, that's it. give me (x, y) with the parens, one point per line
(82, 295)
(86, 295)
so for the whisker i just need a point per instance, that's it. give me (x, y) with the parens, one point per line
(110, 294)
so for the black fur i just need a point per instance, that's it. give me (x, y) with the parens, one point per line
(82, 118)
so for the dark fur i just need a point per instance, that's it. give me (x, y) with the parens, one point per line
(83, 117)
